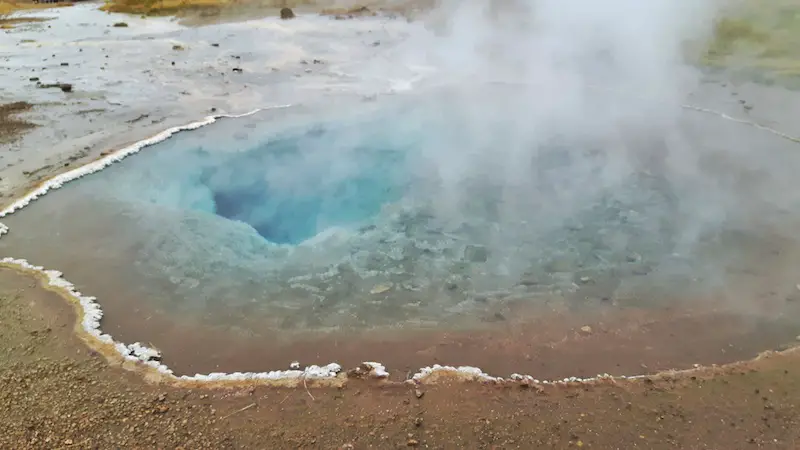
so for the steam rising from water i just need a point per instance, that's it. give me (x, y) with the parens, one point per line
(541, 147)
(591, 77)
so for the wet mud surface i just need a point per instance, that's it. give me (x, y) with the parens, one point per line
(11, 125)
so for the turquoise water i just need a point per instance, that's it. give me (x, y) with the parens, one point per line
(398, 213)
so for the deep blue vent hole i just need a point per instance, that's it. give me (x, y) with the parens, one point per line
(291, 189)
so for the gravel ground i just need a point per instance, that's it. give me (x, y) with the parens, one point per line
(54, 393)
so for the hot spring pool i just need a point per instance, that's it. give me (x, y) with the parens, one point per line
(404, 227)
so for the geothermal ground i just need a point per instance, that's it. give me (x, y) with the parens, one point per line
(115, 85)
(57, 394)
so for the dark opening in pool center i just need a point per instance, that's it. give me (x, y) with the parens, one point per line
(291, 190)
(397, 222)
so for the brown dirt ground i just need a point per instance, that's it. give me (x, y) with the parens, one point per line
(56, 393)
(10, 125)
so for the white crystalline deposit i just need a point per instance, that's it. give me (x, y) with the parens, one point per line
(142, 353)
(474, 372)
(310, 372)
(377, 370)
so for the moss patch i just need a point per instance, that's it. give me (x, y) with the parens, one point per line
(761, 35)
(206, 8)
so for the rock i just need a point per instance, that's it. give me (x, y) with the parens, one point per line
(178, 47)
(418, 421)
(476, 253)
(561, 265)
(633, 257)
(381, 288)
(215, 45)
(295, 365)
(418, 393)
(237, 69)
(287, 13)
(412, 442)
(586, 329)
(65, 87)
(120, 25)
(34, 79)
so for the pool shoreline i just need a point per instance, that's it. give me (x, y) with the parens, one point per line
(147, 361)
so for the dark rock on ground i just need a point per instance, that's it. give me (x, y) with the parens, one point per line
(65, 87)
(287, 13)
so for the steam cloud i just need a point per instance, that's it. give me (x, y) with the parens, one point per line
(536, 144)
(597, 84)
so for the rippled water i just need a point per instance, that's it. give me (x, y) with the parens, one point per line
(397, 215)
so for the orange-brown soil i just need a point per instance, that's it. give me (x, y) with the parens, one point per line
(55, 393)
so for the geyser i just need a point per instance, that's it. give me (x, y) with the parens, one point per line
(407, 215)
(393, 214)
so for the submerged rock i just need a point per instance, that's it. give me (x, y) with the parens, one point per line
(476, 253)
